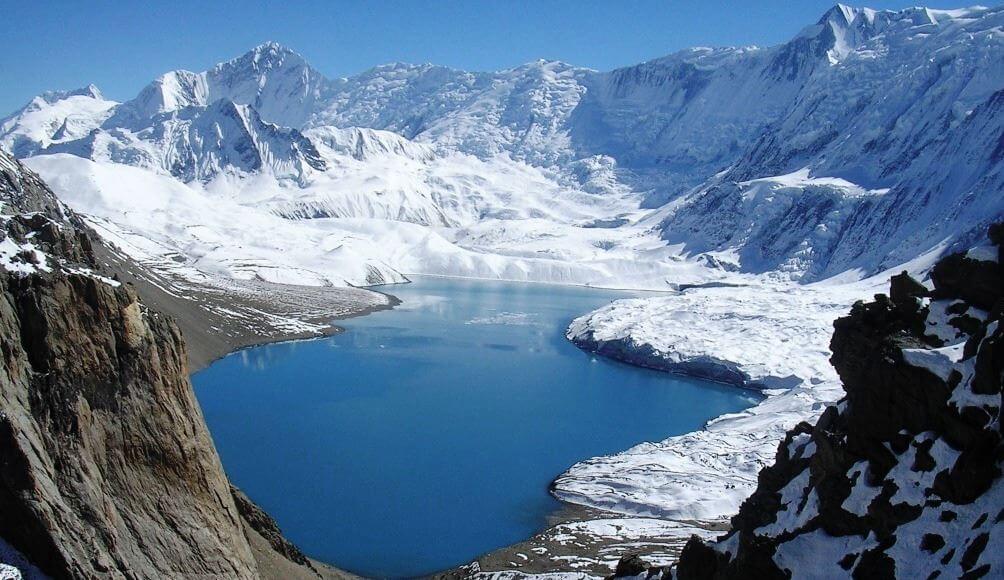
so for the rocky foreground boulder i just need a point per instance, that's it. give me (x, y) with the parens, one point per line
(107, 469)
(902, 478)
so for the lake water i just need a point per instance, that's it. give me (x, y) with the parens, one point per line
(427, 435)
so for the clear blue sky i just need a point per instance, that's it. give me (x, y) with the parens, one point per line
(121, 46)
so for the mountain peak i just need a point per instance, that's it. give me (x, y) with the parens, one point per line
(90, 90)
(271, 48)
(172, 91)
(841, 13)
(844, 28)
(266, 56)
(271, 45)
(544, 63)
(844, 16)
(839, 17)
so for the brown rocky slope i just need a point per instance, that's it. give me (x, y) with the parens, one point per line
(107, 468)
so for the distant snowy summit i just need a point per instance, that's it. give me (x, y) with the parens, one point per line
(869, 139)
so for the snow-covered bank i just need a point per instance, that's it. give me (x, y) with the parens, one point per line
(772, 337)
(590, 546)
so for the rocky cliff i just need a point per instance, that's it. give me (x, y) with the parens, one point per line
(106, 466)
(903, 477)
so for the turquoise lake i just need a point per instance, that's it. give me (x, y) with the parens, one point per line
(427, 435)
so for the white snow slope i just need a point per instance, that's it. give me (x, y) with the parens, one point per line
(869, 138)
(765, 337)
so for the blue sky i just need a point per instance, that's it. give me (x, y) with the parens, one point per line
(121, 46)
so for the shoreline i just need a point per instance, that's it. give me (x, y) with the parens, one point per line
(219, 319)
(718, 372)
(546, 283)
(211, 338)
(576, 539)
(700, 478)
(329, 330)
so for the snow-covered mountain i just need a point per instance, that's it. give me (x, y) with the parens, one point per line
(871, 142)
(870, 138)
(521, 111)
(54, 117)
(197, 143)
(272, 79)
(892, 146)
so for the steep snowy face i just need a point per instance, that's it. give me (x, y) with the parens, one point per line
(273, 79)
(367, 144)
(198, 143)
(53, 117)
(276, 81)
(911, 116)
(169, 92)
(520, 112)
(871, 115)
(843, 29)
(681, 118)
(402, 98)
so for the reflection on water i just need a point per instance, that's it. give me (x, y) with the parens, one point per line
(426, 435)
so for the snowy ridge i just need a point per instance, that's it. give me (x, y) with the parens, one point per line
(53, 117)
(519, 111)
(198, 143)
(866, 140)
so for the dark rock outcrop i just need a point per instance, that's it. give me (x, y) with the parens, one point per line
(106, 466)
(633, 566)
(903, 477)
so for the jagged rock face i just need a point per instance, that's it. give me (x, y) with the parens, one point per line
(106, 466)
(903, 477)
(22, 191)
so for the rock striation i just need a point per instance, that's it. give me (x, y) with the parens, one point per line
(107, 468)
(902, 478)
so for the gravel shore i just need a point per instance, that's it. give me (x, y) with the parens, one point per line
(219, 316)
